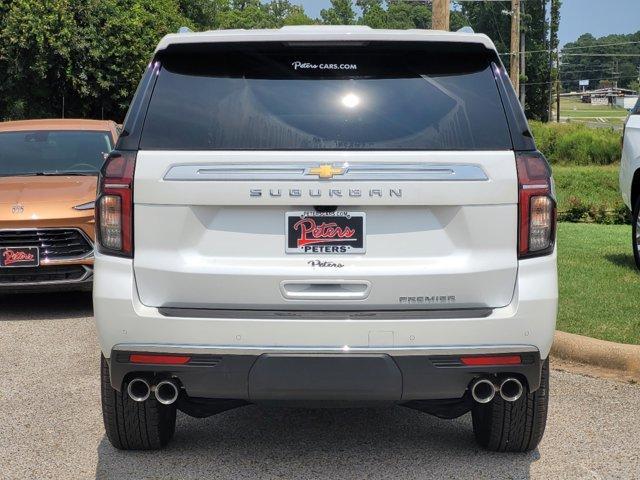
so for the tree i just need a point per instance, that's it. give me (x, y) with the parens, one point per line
(341, 12)
(374, 15)
(622, 69)
(488, 18)
(536, 76)
(91, 53)
(202, 14)
(297, 16)
(87, 54)
(38, 65)
(408, 15)
(284, 13)
(121, 59)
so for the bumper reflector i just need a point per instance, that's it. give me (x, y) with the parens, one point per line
(492, 360)
(159, 359)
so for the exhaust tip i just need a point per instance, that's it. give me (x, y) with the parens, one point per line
(511, 389)
(483, 390)
(138, 389)
(166, 392)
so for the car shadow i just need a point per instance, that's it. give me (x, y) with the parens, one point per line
(622, 260)
(45, 305)
(258, 442)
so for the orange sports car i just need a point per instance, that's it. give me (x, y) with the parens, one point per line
(48, 179)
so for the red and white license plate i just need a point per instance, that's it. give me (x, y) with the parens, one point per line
(19, 257)
(317, 232)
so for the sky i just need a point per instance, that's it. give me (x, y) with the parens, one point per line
(599, 17)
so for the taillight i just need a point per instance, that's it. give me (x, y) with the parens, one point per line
(114, 206)
(537, 205)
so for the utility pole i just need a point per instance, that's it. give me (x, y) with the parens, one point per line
(558, 85)
(515, 45)
(615, 74)
(523, 60)
(440, 15)
(554, 57)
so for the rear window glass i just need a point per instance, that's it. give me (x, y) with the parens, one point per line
(52, 152)
(369, 97)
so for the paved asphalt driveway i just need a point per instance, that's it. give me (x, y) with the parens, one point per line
(51, 425)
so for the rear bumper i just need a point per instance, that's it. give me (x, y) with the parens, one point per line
(241, 340)
(290, 376)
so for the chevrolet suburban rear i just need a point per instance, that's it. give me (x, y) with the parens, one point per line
(326, 216)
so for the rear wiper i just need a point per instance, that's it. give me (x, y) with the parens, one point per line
(64, 174)
(48, 174)
(18, 174)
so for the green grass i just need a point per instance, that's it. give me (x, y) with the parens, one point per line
(599, 284)
(595, 185)
(575, 144)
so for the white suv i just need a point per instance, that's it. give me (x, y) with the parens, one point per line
(630, 175)
(326, 216)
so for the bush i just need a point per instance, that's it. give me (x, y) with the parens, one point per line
(575, 210)
(589, 194)
(574, 144)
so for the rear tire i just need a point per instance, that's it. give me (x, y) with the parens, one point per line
(517, 426)
(635, 232)
(130, 425)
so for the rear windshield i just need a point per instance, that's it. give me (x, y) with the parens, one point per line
(44, 152)
(369, 97)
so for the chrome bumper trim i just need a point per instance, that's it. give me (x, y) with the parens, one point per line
(453, 313)
(259, 350)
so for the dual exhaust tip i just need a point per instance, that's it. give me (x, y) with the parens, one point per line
(166, 391)
(483, 390)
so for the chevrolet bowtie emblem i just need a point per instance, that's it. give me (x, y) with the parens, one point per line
(17, 209)
(326, 171)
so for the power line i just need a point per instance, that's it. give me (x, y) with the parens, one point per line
(591, 79)
(602, 69)
(596, 45)
(590, 54)
(600, 54)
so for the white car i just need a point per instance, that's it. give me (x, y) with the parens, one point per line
(630, 175)
(326, 216)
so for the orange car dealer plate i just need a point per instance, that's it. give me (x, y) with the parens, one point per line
(19, 257)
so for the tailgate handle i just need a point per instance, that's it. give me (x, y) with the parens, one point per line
(325, 289)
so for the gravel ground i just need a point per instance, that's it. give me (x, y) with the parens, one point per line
(51, 425)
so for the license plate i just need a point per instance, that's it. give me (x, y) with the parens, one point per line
(19, 257)
(334, 232)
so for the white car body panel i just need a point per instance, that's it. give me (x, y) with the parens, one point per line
(209, 244)
(630, 158)
(528, 321)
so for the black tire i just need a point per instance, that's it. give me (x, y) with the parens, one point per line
(517, 426)
(635, 234)
(130, 425)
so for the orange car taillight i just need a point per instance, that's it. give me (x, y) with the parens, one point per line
(114, 206)
(536, 204)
